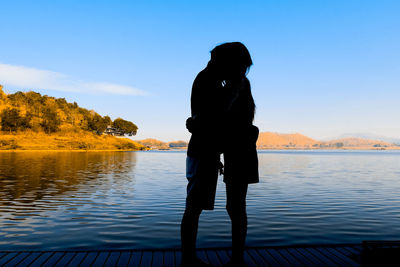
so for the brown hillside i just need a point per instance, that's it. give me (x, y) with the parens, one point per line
(276, 140)
(359, 142)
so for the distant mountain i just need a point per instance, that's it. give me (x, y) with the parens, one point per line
(157, 144)
(267, 140)
(371, 137)
(270, 140)
(358, 142)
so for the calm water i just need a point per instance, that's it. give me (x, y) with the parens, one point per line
(64, 200)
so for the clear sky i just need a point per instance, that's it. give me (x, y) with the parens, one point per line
(321, 68)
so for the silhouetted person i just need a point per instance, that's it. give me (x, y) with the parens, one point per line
(222, 113)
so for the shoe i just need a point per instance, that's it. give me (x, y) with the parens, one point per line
(233, 263)
(196, 262)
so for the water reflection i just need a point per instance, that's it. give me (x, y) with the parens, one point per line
(27, 178)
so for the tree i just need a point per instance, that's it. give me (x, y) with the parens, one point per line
(107, 120)
(2, 94)
(339, 145)
(50, 121)
(12, 121)
(126, 127)
(98, 123)
(17, 98)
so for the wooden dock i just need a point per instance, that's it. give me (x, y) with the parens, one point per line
(323, 255)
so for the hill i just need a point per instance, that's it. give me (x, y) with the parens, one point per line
(269, 140)
(29, 120)
(157, 144)
(29, 140)
(358, 143)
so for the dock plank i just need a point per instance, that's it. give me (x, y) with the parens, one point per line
(295, 256)
(41, 259)
(147, 258)
(112, 259)
(123, 260)
(326, 260)
(290, 258)
(169, 259)
(353, 250)
(354, 256)
(267, 257)
(278, 257)
(300, 257)
(135, 259)
(325, 251)
(223, 256)
(178, 258)
(30, 259)
(213, 258)
(65, 259)
(202, 255)
(53, 259)
(158, 258)
(79, 257)
(17, 259)
(257, 258)
(89, 259)
(310, 256)
(344, 258)
(101, 258)
(6, 258)
(248, 260)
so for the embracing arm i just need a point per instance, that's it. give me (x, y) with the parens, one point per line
(203, 106)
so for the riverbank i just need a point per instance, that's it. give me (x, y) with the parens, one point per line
(65, 141)
(329, 148)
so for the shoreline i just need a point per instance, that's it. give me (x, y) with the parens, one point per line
(69, 150)
(185, 149)
(67, 141)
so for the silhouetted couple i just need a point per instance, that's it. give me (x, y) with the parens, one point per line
(222, 110)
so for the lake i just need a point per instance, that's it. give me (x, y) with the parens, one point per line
(125, 200)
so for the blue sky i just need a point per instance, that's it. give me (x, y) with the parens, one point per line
(321, 68)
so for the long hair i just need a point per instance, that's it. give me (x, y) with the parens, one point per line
(249, 102)
(231, 54)
(235, 55)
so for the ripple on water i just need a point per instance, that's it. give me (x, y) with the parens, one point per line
(64, 200)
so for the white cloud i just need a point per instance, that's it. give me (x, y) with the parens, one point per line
(31, 78)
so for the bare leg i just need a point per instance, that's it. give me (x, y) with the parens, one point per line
(236, 207)
(189, 225)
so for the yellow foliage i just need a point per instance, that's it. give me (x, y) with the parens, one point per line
(65, 140)
(30, 140)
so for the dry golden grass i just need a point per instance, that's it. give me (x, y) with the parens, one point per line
(29, 140)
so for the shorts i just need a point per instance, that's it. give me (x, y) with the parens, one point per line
(202, 175)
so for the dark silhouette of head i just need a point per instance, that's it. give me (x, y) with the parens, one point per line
(230, 60)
